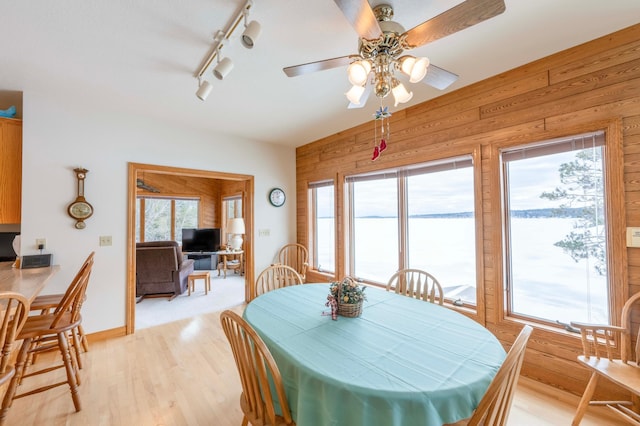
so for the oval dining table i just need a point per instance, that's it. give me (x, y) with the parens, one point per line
(403, 362)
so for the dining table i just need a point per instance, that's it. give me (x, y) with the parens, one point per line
(402, 362)
(28, 282)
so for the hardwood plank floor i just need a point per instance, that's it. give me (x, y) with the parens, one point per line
(183, 373)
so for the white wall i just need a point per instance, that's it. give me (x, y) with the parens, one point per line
(62, 131)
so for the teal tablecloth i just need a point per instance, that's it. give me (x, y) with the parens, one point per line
(404, 362)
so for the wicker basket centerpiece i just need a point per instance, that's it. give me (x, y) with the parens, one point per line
(349, 297)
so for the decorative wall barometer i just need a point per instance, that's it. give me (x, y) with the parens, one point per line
(80, 209)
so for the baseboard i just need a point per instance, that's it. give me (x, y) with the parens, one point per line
(107, 334)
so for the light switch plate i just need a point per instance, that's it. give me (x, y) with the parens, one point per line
(633, 237)
(105, 240)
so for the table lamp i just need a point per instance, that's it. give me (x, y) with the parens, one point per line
(235, 226)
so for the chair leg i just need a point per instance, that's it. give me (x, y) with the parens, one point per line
(75, 338)
(586, 398)
(65, 351)
(83, 338)
(17, 377)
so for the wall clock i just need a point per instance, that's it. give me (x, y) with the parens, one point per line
(277, 197)
(80, 209)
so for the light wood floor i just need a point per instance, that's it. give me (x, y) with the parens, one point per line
(183, 373)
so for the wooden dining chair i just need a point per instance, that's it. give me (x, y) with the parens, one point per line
(276, 276)
(42, 333)
(259, 374)
(600, 344)
(45, 304)
(494, 407)
(295, 256)
(15, 309)
(418, 284)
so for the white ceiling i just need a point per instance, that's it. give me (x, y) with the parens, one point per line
(140, 57)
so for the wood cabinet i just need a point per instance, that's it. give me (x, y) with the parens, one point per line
(10, 170)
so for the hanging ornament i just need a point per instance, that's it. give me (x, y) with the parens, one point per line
(381, 118)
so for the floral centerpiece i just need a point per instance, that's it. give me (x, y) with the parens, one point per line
(346, 298)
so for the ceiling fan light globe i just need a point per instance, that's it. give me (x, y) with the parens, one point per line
(358, 72)
(418, 70)
(355, 94)
(204, 90)
(223, 68)
(406, 64)
(251, 34)
(400, 94)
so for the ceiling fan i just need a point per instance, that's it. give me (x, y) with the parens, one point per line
(383, 41)
(140, 184)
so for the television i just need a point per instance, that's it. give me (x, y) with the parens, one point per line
(6, 246)
(200, 240)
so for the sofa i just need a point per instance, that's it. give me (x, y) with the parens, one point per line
(160, 269)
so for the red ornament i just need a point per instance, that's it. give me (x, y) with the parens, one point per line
(383, 145)
(376, 153)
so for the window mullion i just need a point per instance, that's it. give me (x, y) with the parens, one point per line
(403, 228)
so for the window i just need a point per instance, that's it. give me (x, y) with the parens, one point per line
(441, 226)
(555, 229)
(321, 196)
(159, 219)
(374, 227)
(420, 217)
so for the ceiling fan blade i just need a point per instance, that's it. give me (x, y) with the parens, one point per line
(464, 15)
(363, 98)
(439, 78)
(326, 64)
(361, 17)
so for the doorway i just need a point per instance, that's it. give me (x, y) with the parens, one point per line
(228, 183)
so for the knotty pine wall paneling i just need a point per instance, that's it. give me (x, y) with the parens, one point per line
(592, 86)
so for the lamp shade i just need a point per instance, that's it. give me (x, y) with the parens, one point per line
(235, 226)
(358, 72)
(355, 94)
(400, 93)
(415, 68)
(418, 70)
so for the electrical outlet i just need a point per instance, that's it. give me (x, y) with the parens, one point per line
(105, 240)
(41, 242)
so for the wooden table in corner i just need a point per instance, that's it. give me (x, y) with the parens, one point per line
(28, 282)
(227, 257)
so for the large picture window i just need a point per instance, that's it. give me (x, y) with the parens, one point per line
(420, 217)
(555, 228)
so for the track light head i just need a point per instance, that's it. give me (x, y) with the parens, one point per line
(204, 90)
(223, 68)
(251, 34)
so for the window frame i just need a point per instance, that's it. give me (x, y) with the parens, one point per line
(615, 211)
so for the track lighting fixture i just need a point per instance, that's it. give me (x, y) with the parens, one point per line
(250, 34)
(204, 89)
(224, 66)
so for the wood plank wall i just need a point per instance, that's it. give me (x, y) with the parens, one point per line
(592, 86)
